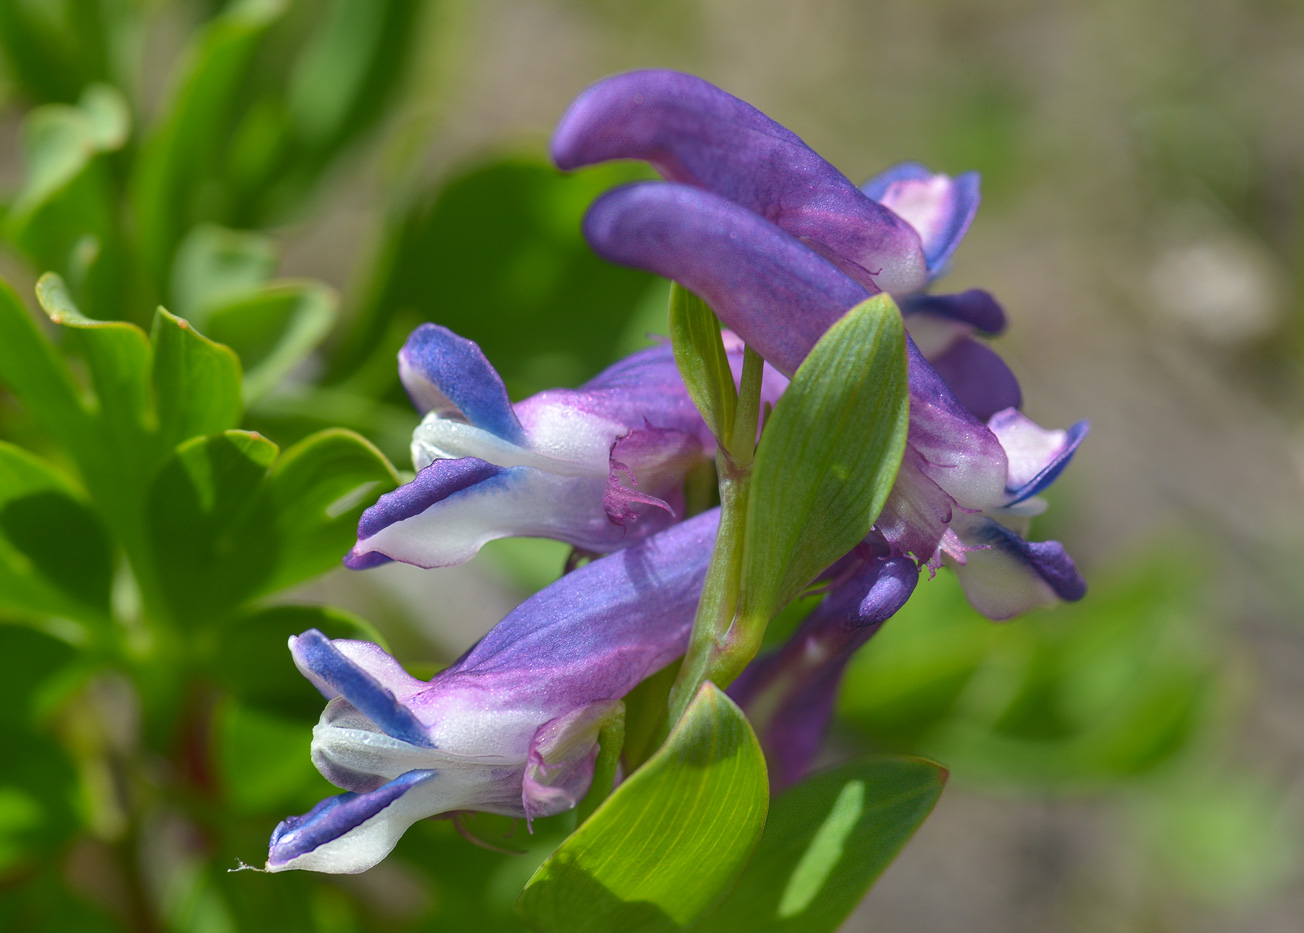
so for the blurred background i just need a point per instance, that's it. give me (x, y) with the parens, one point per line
(1132, 762)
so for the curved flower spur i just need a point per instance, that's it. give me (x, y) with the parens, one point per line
(597, 467)
(895, 233)
(781, 244)
(512, 726)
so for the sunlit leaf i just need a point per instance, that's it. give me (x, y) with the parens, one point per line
(703, 365)
(35, 373)
(197, 382)
(214, 265)
(826, 841)
(312, 501)
(670, 841)
(828, 456)
(65, 215)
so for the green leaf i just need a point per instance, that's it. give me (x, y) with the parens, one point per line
(54, 48)
(65, 215)
(226, 524)
(187, 148)
(248, 654)
(37, 798)
(350, 67)
(702, 362)
(826, 841)
(119, 357)
(312, 501)
(197, 513)
(284, 775)
(215, 265)
(500, 242)
(1074, 698)
(35, 373)
(55, 558)
(669, 842)
(274, 330)
(828, 457)
(197, 382)
(30, 663)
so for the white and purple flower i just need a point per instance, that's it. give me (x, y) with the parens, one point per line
(511, 727)
(598, 467)
(781, 244)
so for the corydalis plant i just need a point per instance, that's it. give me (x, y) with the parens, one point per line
(511, 727)
(785, 250)
(598, 467)
(781, 244)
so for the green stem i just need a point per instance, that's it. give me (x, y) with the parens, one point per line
(710, 654)
(610, 742)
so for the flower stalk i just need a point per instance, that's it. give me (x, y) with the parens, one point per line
(717, 651)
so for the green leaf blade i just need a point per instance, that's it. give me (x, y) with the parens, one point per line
(313, 499)
(826, 841)
(702, 362)
(191, 140)
(119, 357)
(32, 369)
(274, 329)
(55, 558)
(196, 381)
(670, 841)
(197, 516)
(828, 456)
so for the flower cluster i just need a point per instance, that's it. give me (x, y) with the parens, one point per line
(780, 245)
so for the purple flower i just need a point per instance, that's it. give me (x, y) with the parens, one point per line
(597, 467)
(512, 726)
(789, 694)
(766, 232)
(694, 133)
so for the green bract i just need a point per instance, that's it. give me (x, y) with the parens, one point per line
(826, 841)
(827, 459)
(670, 841)
(700, 356)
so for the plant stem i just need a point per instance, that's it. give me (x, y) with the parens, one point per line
(709, 655)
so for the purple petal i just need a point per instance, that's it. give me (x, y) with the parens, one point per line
(643, 388)
(975, 307)
(559, 769)
(1008, 576)
(694, 133)
(436, 483)
(1036, 456)
(778, 295)
(799, 683)
(979, 378)
(348, 833)
(336, 675)
(939, 207)
(448, 374)
(598, 631)
(956, 450)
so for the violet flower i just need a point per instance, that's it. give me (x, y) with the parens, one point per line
(597, 467)
(511, 727)
(789, 694)
(766, 232)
